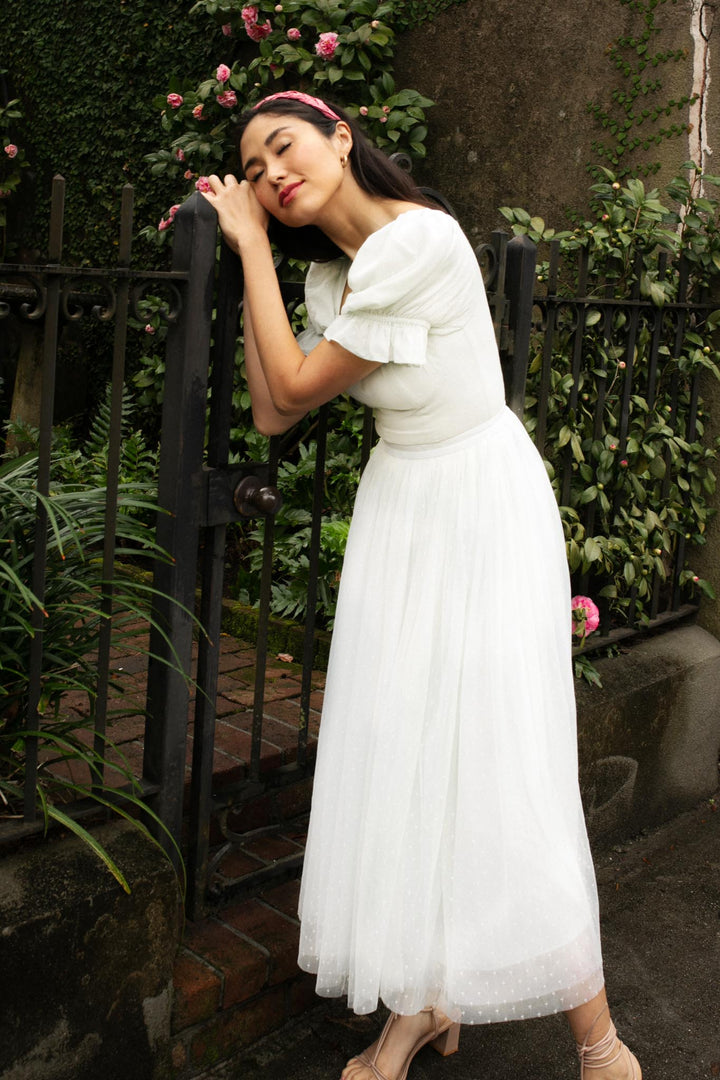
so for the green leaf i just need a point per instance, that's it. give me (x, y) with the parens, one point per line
(64, 819)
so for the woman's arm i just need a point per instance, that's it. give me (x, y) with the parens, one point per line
(266, 418)
(295, 382)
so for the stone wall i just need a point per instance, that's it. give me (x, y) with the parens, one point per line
(87, 969)
(649, 740)
(511, 81)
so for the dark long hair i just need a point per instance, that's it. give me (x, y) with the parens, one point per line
(374, 172)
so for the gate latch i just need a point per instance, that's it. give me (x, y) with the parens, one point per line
(236, 492)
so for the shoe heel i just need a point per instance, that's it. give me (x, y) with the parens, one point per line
(447, 1042)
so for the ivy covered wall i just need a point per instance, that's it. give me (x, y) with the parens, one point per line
(86, 73)
(513, 83)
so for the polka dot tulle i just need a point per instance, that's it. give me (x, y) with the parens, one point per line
(447, 861)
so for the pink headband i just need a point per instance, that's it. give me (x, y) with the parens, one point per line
(306, 99)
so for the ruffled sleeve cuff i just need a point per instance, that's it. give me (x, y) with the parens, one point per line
(385, 339)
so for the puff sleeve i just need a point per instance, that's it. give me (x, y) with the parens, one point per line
(403, 286)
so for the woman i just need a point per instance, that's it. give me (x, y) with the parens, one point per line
(447, 869)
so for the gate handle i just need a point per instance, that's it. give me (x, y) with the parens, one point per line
(251, 498)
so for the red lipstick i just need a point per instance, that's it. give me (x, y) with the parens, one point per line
(288, 193)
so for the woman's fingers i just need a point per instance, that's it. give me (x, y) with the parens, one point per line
(239, 212)
(219, 185)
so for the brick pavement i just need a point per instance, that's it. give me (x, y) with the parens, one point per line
(235, 976)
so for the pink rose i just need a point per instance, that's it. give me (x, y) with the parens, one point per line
(173, 211)
(164, 224)
(149, 328)
(585, 616)
(258, 31)
(180, 154)
(294, 34)
(383, 119)
(228, 99)
(227, 29)
(223, 73)
(249, 14)
(202, 183)
(198, 112)
(11, 150)
(326, 45)
(188, 174)
(175, 100)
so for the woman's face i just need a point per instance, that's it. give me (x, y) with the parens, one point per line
(295, 170)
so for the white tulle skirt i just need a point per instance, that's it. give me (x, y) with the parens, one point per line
(447, 859)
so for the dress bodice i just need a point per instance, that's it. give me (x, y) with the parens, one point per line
(417, 306)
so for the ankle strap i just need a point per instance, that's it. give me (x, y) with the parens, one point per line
(597, 1055)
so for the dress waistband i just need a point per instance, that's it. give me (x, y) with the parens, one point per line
(448, 446)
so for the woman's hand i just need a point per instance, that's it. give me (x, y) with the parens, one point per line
(242, 219)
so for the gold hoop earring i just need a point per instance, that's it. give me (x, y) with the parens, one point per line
(344, 160)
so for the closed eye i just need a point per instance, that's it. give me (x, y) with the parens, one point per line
(279, 151)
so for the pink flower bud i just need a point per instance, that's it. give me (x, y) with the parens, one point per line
(363, 110)
(278, 8)
(326, 45)
(188, 174)
(202, 184)
(613, 446)
(383, 119)
(616, 186)
(227, 29)
(622, 365)
(180, 154)
(386, 108)
(375, 23)
(624, 463)
(198, 112)
(223, 73)
(294, 34)
(11, 150)
(149, 328)
(606, 217)
(175, 100)
(695, 578)
(228, 99)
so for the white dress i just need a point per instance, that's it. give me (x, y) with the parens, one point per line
(447, 860)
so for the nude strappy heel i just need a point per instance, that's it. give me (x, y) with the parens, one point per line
(444, 1038)
(605, 1052)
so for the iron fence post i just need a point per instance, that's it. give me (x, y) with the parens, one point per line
(520, 284)
(179, 496)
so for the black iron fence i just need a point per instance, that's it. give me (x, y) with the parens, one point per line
(51, 296)
(613, 404)
(202, 489)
